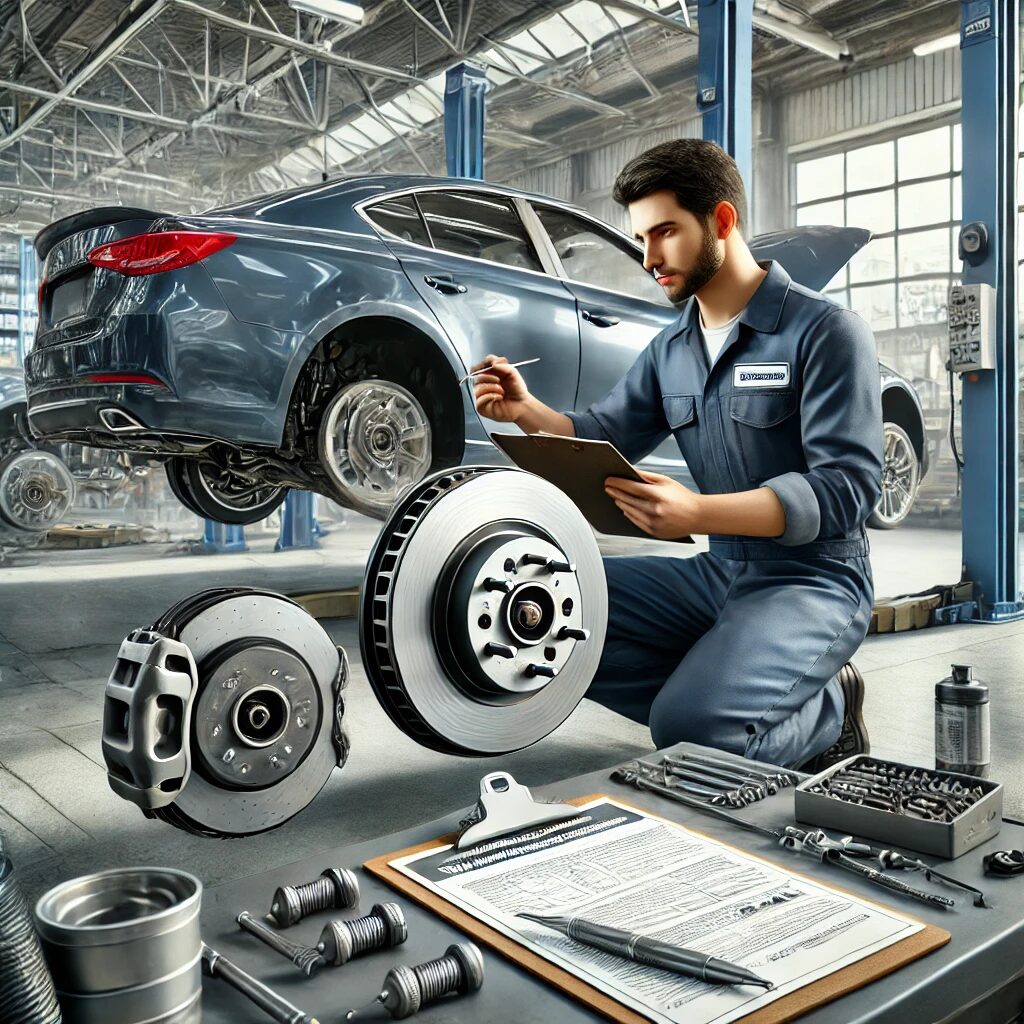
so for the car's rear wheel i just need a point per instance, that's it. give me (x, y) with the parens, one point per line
(36, 491)
(374, 444)
(214, 492)
(901, 476)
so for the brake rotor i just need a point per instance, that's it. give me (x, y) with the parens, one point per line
(257, 733)
(36, 490)
(483, 611)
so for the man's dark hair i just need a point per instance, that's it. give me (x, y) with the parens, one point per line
(699, 173)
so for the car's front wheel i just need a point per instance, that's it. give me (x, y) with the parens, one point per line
(901, 475)
(374, 443)
(214, 492)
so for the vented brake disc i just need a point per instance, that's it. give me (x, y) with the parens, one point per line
(225, 718)
(483, 610)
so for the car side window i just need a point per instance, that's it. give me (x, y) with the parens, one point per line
(480, 225)
(399, 216)
(593, 257)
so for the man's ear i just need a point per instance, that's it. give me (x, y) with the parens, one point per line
(726, 219)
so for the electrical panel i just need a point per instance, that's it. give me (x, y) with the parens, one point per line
(972, 327)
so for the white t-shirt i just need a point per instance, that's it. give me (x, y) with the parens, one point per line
(715, 337)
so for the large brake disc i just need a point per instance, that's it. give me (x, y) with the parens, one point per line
(225, 718)
(483, 610)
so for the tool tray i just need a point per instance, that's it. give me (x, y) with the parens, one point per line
(946, 839)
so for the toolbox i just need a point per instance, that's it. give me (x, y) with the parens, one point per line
(946, 839)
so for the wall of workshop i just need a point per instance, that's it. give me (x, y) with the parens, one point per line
(892, 100)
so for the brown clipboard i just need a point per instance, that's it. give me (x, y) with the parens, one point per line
(578, 467)
(787, 1008)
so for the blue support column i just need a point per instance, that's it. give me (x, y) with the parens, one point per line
(299, 528)
(724, 78)
(28, 292)
(221, 539)
(991, 72)
(464, 89)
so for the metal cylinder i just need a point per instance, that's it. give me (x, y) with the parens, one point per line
(962, 724)
(124, 945)
(26, 989)
(335, 889)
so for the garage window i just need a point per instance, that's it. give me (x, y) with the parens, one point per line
(907, 192)
(399, 216)
(476, 224)
(593, 257)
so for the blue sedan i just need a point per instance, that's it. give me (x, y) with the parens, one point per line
(316, 338)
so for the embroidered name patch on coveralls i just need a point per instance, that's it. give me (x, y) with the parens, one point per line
(737, 647)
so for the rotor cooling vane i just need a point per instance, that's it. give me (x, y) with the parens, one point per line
(225, 717)
(483, 611)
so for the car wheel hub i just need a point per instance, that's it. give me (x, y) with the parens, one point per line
(483, 612)
(375, 443)
(899, 476)
(36, 491)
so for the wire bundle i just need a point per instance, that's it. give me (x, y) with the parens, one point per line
(26, 989)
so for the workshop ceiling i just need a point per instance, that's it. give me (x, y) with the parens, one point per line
(177, 105)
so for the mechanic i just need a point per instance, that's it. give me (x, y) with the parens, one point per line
(772, 393)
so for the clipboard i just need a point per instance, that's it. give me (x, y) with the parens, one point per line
(787, 1008)
(578, 467)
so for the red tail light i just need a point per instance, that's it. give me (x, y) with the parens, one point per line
(160, 251)
(42, 288)
(126, 378)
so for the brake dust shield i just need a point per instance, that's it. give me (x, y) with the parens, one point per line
(483, 610)
(225, 718)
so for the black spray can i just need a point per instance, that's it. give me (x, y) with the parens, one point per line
(962, 723)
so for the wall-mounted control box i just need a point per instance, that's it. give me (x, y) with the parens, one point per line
(972, 327)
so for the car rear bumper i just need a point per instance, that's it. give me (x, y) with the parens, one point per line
(195, 394)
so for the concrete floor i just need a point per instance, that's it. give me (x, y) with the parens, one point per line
(63, 614)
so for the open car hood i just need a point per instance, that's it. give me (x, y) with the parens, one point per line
(812, 256)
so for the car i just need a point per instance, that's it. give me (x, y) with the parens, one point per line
(36, 488)
(315, 338)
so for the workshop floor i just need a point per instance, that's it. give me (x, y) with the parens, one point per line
(63, 614)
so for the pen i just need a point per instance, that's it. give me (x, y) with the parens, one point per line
(644, 950)
(484, 369)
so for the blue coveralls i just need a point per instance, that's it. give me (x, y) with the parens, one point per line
(737, 647)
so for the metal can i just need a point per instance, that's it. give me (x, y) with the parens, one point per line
(962, 723)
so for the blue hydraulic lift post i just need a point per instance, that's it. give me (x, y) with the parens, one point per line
(724, 47)
(28, 287)
(464, 88)
(990, 59)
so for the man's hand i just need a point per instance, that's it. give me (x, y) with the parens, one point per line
(502, 393)
(661, 507)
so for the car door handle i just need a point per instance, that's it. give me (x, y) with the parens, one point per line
(599, 319)
(445, 284)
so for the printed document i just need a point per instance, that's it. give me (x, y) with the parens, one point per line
(618, 866)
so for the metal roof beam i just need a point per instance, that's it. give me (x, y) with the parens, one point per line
(142, 18)
(296, 45)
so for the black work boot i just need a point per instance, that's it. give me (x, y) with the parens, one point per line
(853, 737)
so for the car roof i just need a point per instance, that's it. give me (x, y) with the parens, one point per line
(363, 187)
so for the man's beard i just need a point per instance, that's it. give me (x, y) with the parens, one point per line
(708, 263)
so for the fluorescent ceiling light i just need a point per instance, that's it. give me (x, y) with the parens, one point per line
(812, 39)
(332, 10)
(933, 45)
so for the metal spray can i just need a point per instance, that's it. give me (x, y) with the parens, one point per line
(962, 723)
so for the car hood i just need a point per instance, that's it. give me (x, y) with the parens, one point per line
(813, 255)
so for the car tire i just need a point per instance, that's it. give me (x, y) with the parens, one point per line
(374, 443)
(199, 484)
(901, 477)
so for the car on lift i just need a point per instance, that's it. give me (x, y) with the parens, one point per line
(315, 338)
(36, 487)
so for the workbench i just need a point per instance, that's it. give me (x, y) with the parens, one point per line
(977, 978)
